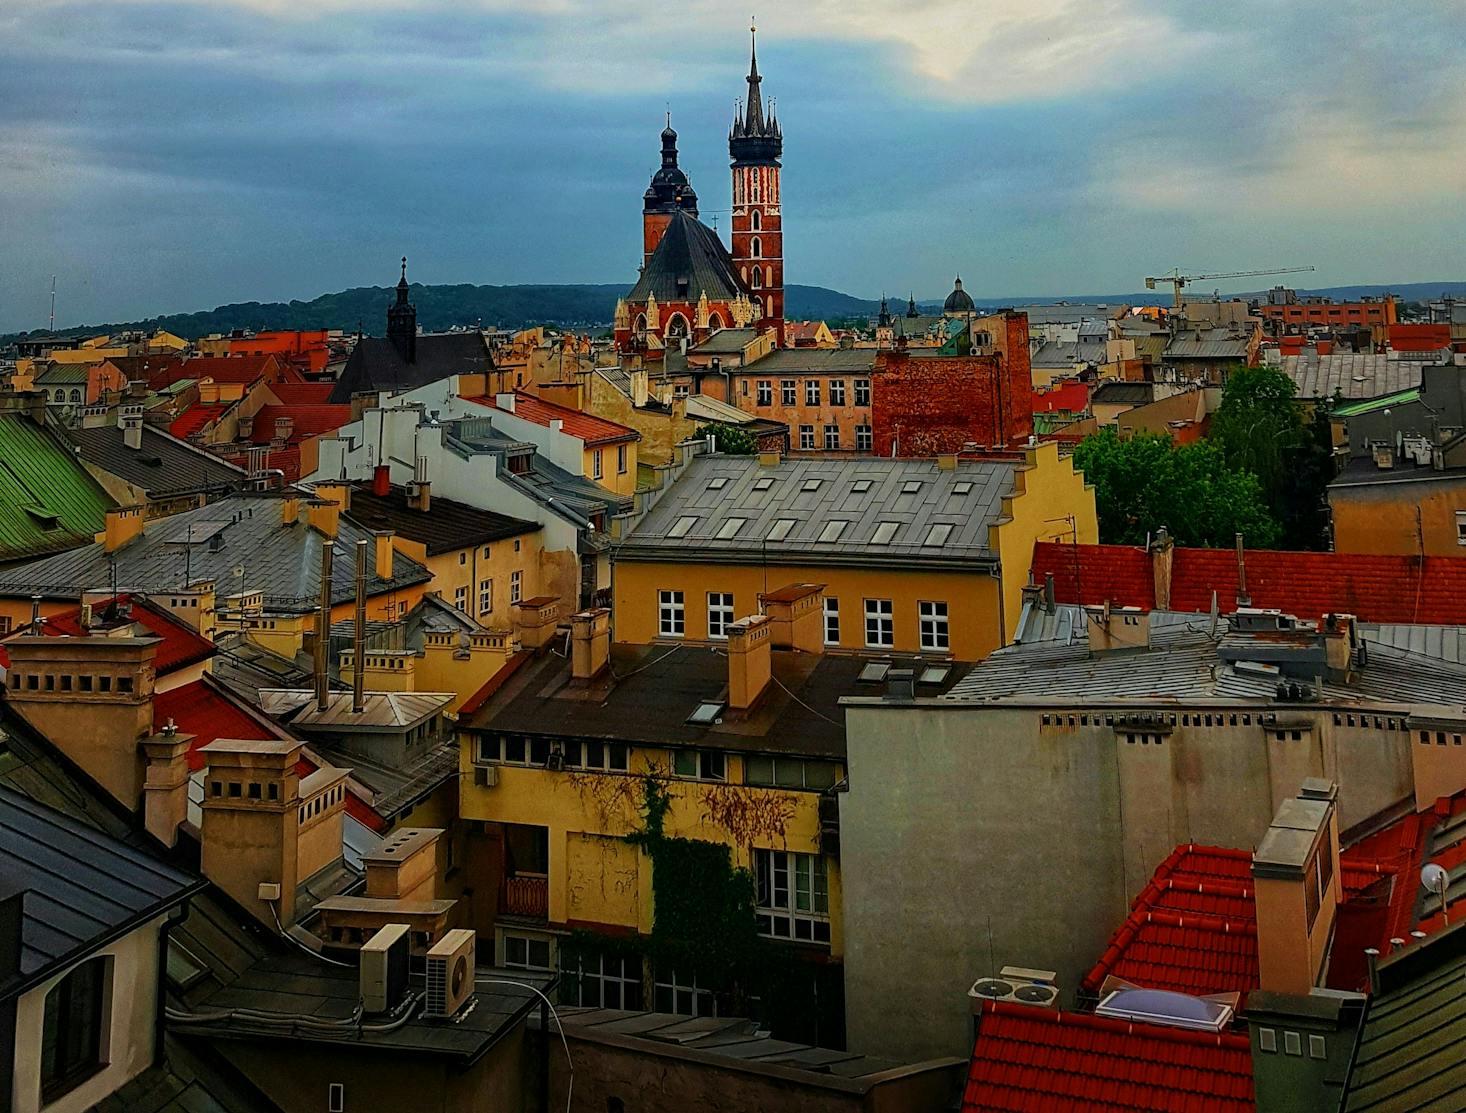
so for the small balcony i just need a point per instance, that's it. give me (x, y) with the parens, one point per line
(526, 895)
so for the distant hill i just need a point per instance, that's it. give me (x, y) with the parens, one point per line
(442, 307)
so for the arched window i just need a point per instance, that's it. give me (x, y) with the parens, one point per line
(715, 321)
(677, 327)
(640, 327)
(755, 222)
(75, 395)
(754, 182)
(71, 1033)
(758, 278)
(755, 248)
(758, 309)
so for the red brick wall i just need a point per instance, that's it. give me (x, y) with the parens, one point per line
(932, 404)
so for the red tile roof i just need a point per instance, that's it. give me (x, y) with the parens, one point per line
(302, 394)
(1029, 1060)
(308, 421)
(191, 420)
(1066, 397)
(206, 713)
(181, 645)
(586, 427)
(235, 369)
(1376, 588)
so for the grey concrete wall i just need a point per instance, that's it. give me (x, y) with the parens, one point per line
(978, 837)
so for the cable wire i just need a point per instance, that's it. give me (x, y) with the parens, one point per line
(569, 1063)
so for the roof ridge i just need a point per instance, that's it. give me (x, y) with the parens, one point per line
(1059, 1018)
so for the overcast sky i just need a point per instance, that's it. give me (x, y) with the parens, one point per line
(166, 156)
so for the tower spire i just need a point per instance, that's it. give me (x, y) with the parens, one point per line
(753, 119)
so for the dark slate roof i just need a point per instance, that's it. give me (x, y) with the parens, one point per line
(726, 342)
(377, 365)
(794, 361)
(48, 501)
(210, 542)
(1117, 393)
(191, 1079)
(446, 527)
(689, 261)
(1409, 1054)
(164, 466)
(659, 687)
(82, 888)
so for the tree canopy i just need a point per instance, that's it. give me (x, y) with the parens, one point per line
(729, 439)
(1144, 482)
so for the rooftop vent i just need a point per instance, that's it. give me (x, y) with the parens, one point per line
(1020, 985)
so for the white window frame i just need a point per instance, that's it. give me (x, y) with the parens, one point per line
(1461, 527)
(699, 1002)
(460, 598)
(806, 438)
(789, 392)
(529, 940)
(862, 392)
(596, 467)
(792, 895)
(516, 585)
(671, 614)
(832, 620)
(584, 972)
(720, 614)
(934, 622)
(864, 439)
(837, 392)
(620, 459)
(708, 765)
(485, 596)
(764, 395)
(812, 392)
(832, 438)
(880, 624)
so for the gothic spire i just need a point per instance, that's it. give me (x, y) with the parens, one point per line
(402, 284)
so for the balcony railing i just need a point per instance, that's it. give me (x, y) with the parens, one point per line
(526, 894)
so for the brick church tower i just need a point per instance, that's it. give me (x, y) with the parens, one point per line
(755, 145)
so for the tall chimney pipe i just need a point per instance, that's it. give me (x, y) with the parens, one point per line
(1243, 599)
(323, 626)
(358, 637)
(35, 614)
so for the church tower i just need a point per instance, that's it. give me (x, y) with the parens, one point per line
(669, 191)
(755, 144)
(402, 321)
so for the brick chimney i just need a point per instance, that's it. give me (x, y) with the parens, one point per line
(535, 620)
(165, 787)
(1437, 765)
(131, 419)
(284, 426)
(382, 539)
(590, 644)
(251, 824)
(92, 698)
(194, 606)
(1162, 556)
(796, 617)
(123, 524)
(1111, 628)
(324, 515)
(750, 660)
(1295, 874)
(405, 866)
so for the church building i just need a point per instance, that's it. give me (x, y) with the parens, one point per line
(691, 285)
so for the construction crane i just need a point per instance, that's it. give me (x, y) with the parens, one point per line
(1179, 281)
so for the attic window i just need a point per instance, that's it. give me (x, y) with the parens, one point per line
(933, 675)
(682, 526)
(781, 528)
(730, 527)
(833, 530)
(763, 484)
(706, 713)
(44, 518)
(874, 672)
(861, 486)
(811, 485)
(911, 487)
(963, 488)
(938, 534)
(718, 483)
(885, 533)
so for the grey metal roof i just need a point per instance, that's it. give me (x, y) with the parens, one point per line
(1066, 353)
(243, 532)
(810, 494)
(792, 361)
(1069, 313)
(395, 787)
(1206, 345)
(1114, 392)
(163, 467)
(726, 342)
(1183, 663)
(1350, 374)
(82, 888)
(690, 260)
(381, 710)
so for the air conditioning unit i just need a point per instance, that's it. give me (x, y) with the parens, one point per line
(450, 973)
(384, 969)
(486, 776)
(1020, 985)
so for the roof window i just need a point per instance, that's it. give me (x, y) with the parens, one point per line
(763, 483)
(682, 526)
(833, 530)
(811, 485)
(938, 534)
(885, 533)
(861, 486)
(729, 528)
(874, 672)
(717, 483)
(706, 713)
(934, 674)
(780, 529)
(962, 488)
(911, 487)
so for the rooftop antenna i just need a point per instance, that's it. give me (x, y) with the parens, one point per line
(53, 304)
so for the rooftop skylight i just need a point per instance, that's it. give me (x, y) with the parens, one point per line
(682, 526)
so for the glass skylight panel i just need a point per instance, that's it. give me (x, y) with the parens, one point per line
(682, 526)
(963, 488)
(832, 531)
(717, 483)
(875, 672)
(935, 674)
(780, 529)
(730, 528)
(811, 485)
(706, 713)
(763, 483)
(885, 533)
(861, 486)
(938, 534)
(911, 487)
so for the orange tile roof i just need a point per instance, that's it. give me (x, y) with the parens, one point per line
(191, 420)
(180, 646)
(586, 427)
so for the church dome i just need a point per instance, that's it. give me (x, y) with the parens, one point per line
(959, 300)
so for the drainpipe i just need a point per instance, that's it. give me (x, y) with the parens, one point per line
(323, 628)
(1243, 598)
(358, 689)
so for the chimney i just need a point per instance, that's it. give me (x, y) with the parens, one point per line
(1243, 598)
(123, 524)
(1340, 637)
(504, 402)
(382, 540)
(131, 419)
(404, 866)
(639, 387)
(193, 605)
(284, 426)
(289, 510)
(322, 647)
(1111, 628)
(246, 426)
(768, 459)
(251, 825)
(1162, 556)
(947, 461)
(535, 620)
(750, 660)
(1437, 765)
(420, 490)
(590, 644)
(165, 785)
(358, 629)
(796, 617)
(93, 698)
(1051, 601)
(381, 481)
(1295, 873)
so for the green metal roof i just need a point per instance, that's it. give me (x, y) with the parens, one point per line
(48, 500)
(58, 373)
(1371, 405)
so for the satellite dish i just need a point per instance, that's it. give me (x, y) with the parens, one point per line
(1434, 877)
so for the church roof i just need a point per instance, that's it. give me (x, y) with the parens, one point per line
(377, 365)
(690, 260)
(959, 300)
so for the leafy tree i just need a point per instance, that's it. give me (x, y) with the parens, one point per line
(729, 439)
(1263, 429)
(1145, 482)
